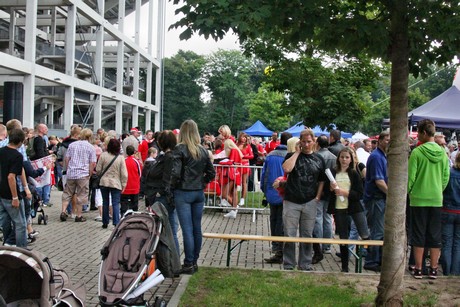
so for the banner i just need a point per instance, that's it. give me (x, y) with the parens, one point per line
(44, 179)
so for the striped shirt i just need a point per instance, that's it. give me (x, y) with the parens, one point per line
(81, 154)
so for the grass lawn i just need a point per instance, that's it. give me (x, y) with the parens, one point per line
(249, 287)
(234, 287)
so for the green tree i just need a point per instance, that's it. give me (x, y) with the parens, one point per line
(318, 91)
(227, 80)
(411, 35)
(182, 93)
(267, 105)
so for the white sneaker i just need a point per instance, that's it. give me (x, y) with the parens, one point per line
(98, 219)
(241, 203)
(225, 203)
(231, 214)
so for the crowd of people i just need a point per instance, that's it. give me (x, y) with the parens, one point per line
(310, 183)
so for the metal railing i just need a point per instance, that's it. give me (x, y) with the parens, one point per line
(232, 184)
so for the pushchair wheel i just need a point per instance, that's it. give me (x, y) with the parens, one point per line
(159, 302)
(45, 220)
(40, 219)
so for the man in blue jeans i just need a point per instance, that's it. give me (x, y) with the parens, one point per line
(11, 206)
(273, 168)
(375, 191)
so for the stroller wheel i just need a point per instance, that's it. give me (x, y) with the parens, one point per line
(39, 219)
(45, 220)
(159, 302)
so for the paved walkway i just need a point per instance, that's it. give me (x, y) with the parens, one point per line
(75, 247)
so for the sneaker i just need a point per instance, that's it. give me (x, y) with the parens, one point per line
(241, 203)
(34, 234)
(195, 267)
(63, 216)
(48, 204)
(327, 251)
(417, 274)
(375, 268)
(433, 273)
(188, 269)
(274, 259)
(80, 219)
(31, 239)
(225, 203)
(72, 216)
(231, 214)
(317, 258)
(10, 245)
(98, 219)
(85, 208)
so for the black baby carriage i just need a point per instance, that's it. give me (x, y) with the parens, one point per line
(137, 256)
(36, 206)
(28, 279)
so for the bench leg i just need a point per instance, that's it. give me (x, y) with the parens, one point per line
(359, 260)
(230, 249)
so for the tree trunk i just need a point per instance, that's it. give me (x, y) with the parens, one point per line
(395, 247)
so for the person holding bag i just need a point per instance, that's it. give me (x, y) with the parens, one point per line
(111, 169)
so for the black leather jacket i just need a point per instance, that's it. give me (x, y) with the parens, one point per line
(188, 173)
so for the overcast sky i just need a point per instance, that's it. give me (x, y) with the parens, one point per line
(172, 43)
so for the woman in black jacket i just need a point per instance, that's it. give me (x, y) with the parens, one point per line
(345, 202)
(156, 180)
(192, 170)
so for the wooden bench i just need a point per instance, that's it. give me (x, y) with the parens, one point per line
(243, 238)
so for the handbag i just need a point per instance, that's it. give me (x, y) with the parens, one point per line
(95, 180)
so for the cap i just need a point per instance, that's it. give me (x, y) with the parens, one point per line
(176, 131)
(438, 134)
(134, 129)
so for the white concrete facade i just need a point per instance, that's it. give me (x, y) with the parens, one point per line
(77, 65)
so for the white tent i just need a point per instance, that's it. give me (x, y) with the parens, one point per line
(358, 136)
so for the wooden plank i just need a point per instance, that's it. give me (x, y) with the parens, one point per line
(291, 239)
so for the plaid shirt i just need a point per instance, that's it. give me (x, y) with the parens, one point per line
(81, 154)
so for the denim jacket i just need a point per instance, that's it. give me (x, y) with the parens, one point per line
(451, 197)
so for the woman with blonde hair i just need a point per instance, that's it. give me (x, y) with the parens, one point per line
(229, 183)
(245, 147)
(191, 171)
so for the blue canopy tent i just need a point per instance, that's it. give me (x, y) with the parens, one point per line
(297, 128)
(258, 129)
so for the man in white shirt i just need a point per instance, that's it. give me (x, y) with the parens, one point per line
(361, 152)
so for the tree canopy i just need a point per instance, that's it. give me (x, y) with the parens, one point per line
(409, 34)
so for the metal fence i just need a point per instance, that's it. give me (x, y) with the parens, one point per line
(233, 183)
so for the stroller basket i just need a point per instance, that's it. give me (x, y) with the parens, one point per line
(126, 257)
(27, 278)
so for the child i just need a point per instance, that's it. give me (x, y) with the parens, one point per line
(130, 195)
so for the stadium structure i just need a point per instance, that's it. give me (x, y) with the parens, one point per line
(65, 62)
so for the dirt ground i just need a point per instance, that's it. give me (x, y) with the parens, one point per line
(445, 291)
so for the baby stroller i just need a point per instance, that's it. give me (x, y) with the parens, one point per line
(28, 279)
(36, 208)
(130, 259)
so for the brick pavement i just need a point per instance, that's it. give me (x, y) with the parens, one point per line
(75, 247)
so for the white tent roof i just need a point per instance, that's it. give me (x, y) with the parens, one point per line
(358, 136)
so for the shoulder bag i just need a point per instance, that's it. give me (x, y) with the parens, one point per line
(95, 180)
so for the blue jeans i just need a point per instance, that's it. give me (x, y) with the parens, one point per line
(189, 207)
(172, 216)
(44, 193)
(323, 223)
(116, 195)
(450, 252)
(16, 217)
(298, 218)
(276, 225)
(375, 217)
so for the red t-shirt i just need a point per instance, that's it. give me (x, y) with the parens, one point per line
(134, 168)
(270, 146)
